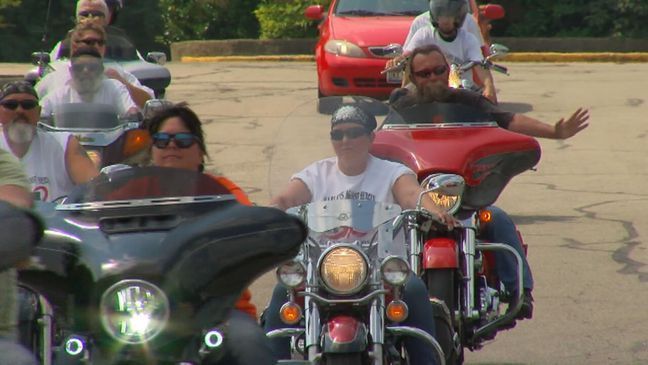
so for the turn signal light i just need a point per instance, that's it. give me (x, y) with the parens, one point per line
(136, 140)
(290, 313)
(485, 215)
(396, 311)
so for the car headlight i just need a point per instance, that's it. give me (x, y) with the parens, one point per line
(344, 48)
(394, 270)
(134, 311)
(291, 274)
(343, 270)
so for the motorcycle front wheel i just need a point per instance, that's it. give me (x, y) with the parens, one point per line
(342, 359)
(441, 287)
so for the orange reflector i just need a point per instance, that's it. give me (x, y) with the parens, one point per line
(136, 140)
(396, 311)
(290, 313)
(485, 215)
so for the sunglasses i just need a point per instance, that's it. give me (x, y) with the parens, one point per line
(182, 140)
(91, 42)
(351, 133)
(25, 104)
(438, 71)
(91, 13)
(90, 67)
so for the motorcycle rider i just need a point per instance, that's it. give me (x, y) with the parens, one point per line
(429, 73)
(90, 34)
(13, 190)
(54, 163)
(458, 44)
(89, 85)
(355, 172)
(178, 142)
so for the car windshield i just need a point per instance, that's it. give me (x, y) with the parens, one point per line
(437, 113)
(381, 7)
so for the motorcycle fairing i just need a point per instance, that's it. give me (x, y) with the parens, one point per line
(487, 157)
(344, 334)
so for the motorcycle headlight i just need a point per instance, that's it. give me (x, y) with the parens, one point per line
(344, 48)
(134, 311)
(394, 270)
(343, 270)
(291, 274)
(448, 202)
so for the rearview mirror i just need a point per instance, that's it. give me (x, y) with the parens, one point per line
(314, 12)
(153, 106)
(39, 58)
(492, 11)
(156, 57)
(498, 50)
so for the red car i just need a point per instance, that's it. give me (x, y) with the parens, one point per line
(354, 43)
(356, 37)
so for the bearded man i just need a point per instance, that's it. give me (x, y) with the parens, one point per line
(54, 163)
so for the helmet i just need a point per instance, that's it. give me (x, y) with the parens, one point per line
(452, 8)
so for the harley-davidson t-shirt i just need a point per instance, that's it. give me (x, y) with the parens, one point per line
(326, 182)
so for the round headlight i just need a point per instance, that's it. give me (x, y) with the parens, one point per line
(395, 270)
(447, 202)
(291, 274)
(343, 270)
(134, 311)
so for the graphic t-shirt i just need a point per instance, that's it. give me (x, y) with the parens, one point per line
(326, 182)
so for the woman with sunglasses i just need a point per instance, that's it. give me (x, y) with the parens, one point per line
(178, 142)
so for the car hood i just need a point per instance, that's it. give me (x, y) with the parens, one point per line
(371, 31)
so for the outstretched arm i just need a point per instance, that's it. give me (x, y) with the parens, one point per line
(563, 129)
(79, 166)
(296, 193)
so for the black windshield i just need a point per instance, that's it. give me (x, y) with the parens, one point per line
(438, 113)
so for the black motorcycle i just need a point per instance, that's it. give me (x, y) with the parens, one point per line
(143, 265)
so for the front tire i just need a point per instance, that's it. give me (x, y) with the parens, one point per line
(342, 359)
(441, 289)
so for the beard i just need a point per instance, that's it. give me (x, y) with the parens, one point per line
(87, 85)
(433, 91)
(20, 131)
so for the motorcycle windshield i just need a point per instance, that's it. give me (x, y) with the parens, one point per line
(84, 116)
(436, 113)
(362, 216)
(147, 183)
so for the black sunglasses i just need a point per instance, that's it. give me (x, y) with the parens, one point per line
(90, 67)
(91, 13)
(182, 140)
(351, 133)
(438, 71)
(25, 104)
(91, 42)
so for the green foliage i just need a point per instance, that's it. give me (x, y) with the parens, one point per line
(285, 18)
(574, 18)
(143, 23)
(208, 19)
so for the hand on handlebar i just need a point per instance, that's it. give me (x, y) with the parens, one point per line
(443, 218)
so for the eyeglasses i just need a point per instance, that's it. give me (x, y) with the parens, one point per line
(91, 42)
(25, 104)
(90, 67)
(182, 140)
(438, 71)
(91, 13)
(351, 133)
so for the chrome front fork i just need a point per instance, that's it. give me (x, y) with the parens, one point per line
(415, 244)
(377, 328)
(468, 241)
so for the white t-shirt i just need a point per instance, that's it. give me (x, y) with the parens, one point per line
(326, 182)
(111, 92)
(423, 20)
(44, 164)
(61, 76)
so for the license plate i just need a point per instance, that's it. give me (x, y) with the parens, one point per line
(394, 77)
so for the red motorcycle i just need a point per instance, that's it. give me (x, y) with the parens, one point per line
(463, 161)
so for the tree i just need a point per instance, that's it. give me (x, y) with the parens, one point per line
(285, 18)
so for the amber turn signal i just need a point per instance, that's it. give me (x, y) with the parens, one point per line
(396, 311)
(290, 313)
(136, 140)
(485, 215)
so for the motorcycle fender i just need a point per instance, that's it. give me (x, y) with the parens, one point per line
(440, 253)
(344, 334)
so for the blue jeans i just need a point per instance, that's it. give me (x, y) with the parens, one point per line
(501, 229)
(421, 316)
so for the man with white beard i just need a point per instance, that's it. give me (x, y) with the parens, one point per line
(89, 85)
(54, 163)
